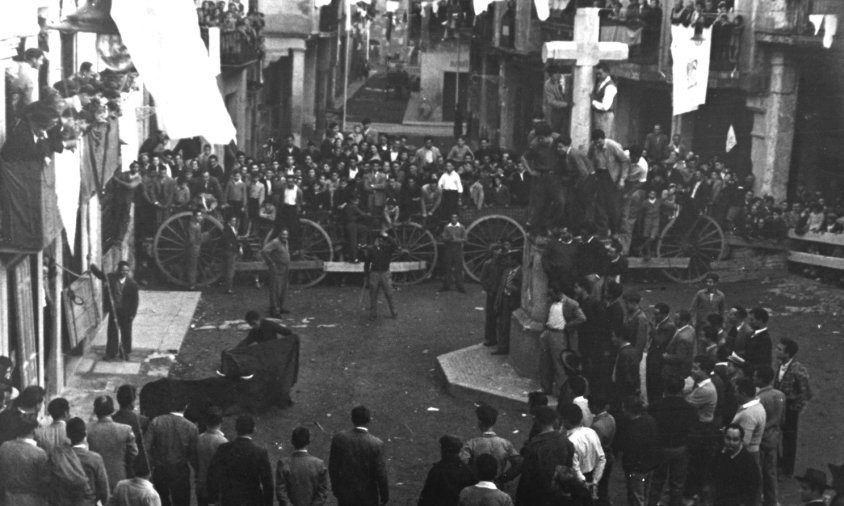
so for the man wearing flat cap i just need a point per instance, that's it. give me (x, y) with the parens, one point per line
(812, 487)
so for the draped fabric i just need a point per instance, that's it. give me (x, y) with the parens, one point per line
(164, 40)
(690, 54)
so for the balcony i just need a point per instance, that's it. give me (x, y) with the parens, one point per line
(792, 23)
(237, 48)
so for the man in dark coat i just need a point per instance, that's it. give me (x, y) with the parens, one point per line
(121, 303)
(491, 271)
(447, 477)
(126, 396)
(357, 465)
(240, 472)
(759, 348)
(625, 372)
(735, 480)
(542, 454)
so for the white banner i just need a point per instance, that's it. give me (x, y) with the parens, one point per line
(543, 9)
(68, 178)
(163, 38)
(691, 67)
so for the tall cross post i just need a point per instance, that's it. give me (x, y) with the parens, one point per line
(586, 51)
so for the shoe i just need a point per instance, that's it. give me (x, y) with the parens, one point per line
(110, 358)
(487, 343)
(499, 352)
(284, 311)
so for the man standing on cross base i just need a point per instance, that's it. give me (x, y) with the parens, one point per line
(121, 301)
(603, 101)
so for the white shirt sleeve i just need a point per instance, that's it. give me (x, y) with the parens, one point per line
(609, 95)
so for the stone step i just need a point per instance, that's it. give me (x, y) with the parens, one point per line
(475, 374)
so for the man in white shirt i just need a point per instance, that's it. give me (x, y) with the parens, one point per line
(589, 453)
(603, 101)
(451, 187)
(750, 416)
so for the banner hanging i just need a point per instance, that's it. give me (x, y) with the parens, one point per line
(691, 55)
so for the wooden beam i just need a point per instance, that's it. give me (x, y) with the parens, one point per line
(658, 263)
(815, 259)
(358, 267)
(822, 237)
(295, 265)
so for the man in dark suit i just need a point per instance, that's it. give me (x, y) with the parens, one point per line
(98, 487)
(357, 464)
(170, 444)
(126, 396)
(759, 348)
(520, 186)
(240, 472)
(301, 479)
(447, 477)
(701, 192)
(121, 303)
(290, 149)
(625, 372)
(681, 349)
(115, 442)
(542, 454)
(664, 330)
(231, 250)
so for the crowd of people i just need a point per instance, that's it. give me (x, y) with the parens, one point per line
(688, 404)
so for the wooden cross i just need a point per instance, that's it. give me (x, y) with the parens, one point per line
(586, 51)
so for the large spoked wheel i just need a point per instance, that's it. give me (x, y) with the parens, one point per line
(415, 244)
(309, 248)
(482, 234)
(703, 241)
(171, 253)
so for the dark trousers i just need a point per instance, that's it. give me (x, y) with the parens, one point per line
(230, 259)
(604, 484)
(380, 281)
(604, 201)
(192, 264)
(542, 195)
(491, 316)
(279, 282)
(352, 233)
(672, 468)
(453, 265)
(172, 482)
(789, 440)
(703, 442)
(450, 203)
(503, 320)
(114, 342)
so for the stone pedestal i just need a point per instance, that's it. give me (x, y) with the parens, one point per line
(529, 320)
(773, 127)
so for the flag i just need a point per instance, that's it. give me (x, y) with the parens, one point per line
(731, 139)
(182, 81)
(690, 73)
(543, 9)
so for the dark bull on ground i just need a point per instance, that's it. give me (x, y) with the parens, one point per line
(271, 367)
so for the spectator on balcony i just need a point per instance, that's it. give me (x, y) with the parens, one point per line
(682, 12)
(651, 17)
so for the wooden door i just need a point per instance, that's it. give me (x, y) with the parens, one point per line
(24, 316)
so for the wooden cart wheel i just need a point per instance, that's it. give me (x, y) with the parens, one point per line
(415, 244)
(170, 250)
(312, 244)
(703, 241)
(482, 234)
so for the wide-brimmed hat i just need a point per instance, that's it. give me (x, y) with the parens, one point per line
(814, 477)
